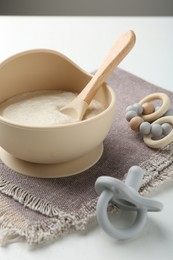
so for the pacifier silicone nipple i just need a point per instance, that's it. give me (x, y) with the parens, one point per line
(126, 197)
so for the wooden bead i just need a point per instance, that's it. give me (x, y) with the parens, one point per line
(135, 123)
(148, 108)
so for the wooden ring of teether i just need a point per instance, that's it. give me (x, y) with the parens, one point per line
(161, 111)
(163, 141)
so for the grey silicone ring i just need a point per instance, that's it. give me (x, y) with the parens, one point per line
(103, 219)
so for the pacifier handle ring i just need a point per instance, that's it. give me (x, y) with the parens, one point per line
(109, 228)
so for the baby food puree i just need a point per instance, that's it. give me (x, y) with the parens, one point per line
(41, 108)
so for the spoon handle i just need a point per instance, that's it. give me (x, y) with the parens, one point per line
(117, 53)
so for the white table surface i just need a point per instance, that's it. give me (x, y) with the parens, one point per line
(86, 40)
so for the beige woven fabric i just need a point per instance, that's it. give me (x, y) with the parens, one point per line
(40, 210)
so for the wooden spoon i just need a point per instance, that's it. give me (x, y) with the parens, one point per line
(77, 108)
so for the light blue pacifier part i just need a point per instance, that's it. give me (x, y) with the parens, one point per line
(126, 197)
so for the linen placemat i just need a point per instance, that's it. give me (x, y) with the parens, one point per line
(41, 210)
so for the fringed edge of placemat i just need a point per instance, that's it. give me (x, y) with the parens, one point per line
(158, 171)
(16, 228)
(12, 225)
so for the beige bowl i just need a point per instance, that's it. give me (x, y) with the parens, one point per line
(50, 70)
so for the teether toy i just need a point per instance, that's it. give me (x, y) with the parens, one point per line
(141, 114)
(126, 197)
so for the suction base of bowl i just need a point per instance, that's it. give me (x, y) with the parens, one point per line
(52, 170)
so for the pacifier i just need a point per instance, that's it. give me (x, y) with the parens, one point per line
(125, 196)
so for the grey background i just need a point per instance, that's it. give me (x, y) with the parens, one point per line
(87, 7)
